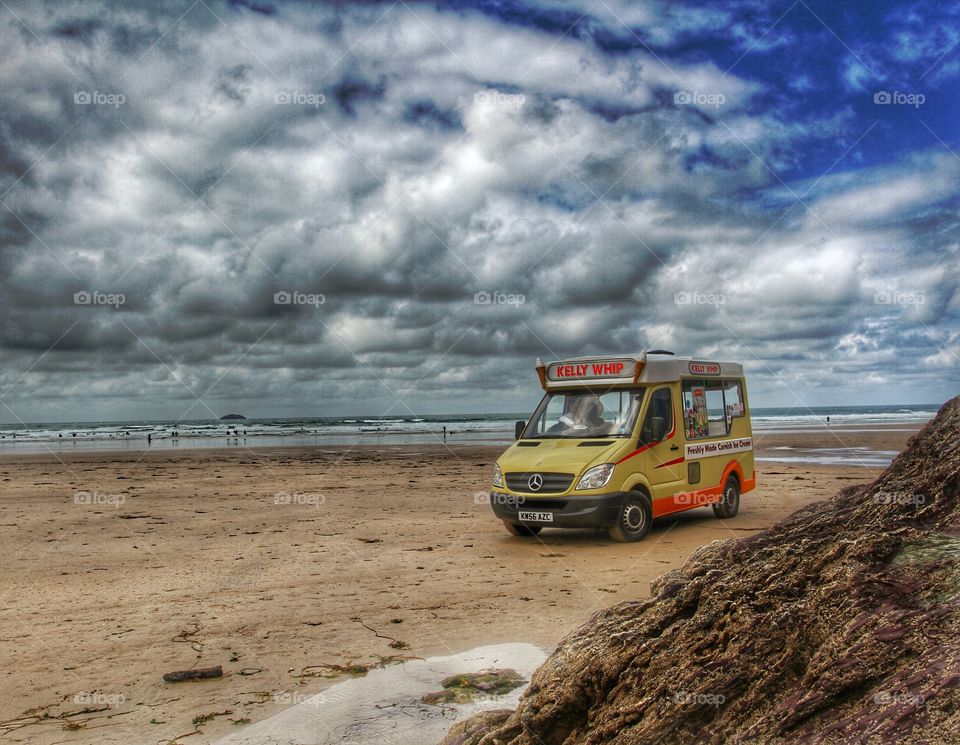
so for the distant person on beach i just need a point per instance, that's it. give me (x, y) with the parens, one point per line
(149, 438)
(828, 421)
(444, 432)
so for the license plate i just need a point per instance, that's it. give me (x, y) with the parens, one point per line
(536, 517)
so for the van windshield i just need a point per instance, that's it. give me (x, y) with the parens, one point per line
(585, 413)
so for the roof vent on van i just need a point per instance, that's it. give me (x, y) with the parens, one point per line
(661, 351)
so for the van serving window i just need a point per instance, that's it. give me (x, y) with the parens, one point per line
(709, 407)
(732, 399)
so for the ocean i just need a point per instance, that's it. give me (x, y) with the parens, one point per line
(478, 428)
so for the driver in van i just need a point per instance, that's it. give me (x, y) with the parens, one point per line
(584, 413)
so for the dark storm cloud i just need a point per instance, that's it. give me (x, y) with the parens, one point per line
(440, 197)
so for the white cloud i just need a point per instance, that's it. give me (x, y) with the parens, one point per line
(421, 179)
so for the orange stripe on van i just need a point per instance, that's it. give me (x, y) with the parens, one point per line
(672, 462)
(628, 456)
(702, 497)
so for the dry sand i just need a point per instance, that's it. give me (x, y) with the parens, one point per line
(187, 559)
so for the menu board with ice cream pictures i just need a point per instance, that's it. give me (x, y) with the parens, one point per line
(695, 412)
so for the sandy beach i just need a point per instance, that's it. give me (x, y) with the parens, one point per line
(120, 567)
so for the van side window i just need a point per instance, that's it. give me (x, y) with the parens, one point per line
(732, 399)
(710, 406)
(716, 419)
(695, 422)
(661, 406)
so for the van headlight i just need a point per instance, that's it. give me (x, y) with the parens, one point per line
(596, 477)
(497, 476)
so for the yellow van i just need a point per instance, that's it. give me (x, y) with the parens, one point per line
(618, 441)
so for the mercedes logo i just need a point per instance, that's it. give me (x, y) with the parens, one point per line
(535, 482)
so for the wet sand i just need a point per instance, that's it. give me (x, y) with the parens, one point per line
(387, 706)
(272, 560)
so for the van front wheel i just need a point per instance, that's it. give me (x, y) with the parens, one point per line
(524, 531)
(729, 504)
(634, 519)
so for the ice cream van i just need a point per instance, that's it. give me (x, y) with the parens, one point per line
(618, 441)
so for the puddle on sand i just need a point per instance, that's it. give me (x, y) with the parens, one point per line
(384, 706)
(849, 456)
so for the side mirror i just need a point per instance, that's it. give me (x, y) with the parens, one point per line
(658, 426)
(518, 429)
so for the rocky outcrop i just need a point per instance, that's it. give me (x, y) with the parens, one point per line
(840, 624)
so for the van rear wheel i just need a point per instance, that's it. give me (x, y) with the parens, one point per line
(729, 504)
(524, 531)
(634, 519)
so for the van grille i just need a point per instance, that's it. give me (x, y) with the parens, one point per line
(553, 483)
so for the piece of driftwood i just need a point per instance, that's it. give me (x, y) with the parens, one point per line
(199, 673)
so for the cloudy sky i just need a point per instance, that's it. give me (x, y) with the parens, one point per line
(288, 208)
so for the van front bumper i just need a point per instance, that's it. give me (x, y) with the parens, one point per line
(596, 511)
